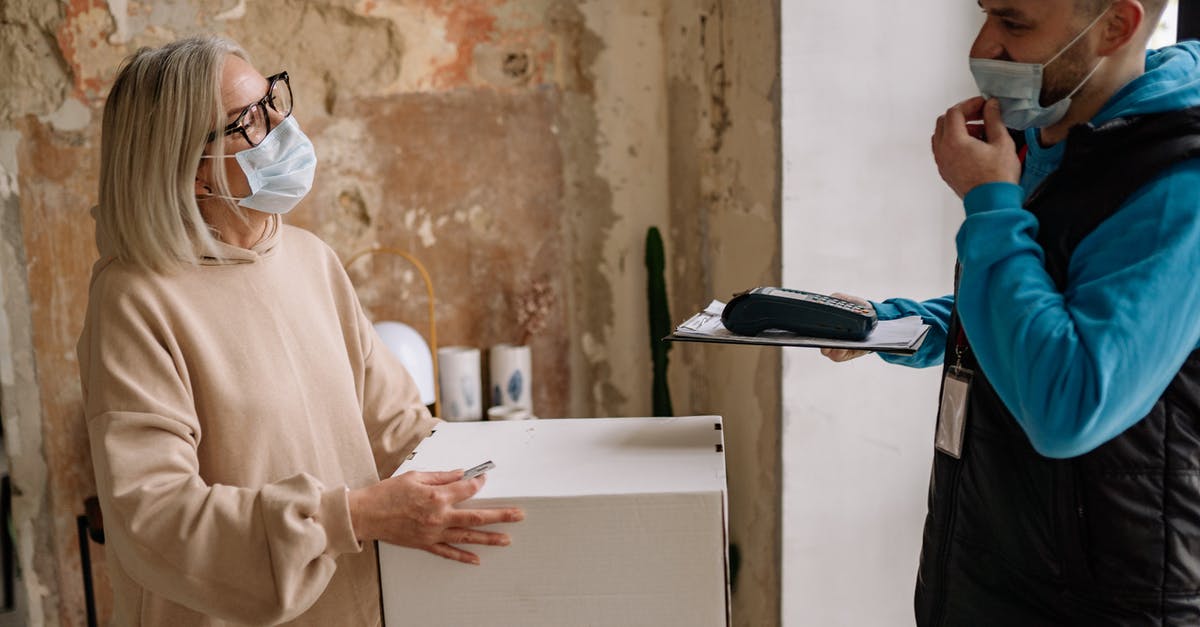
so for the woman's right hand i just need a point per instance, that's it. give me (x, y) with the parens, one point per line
(416, 510)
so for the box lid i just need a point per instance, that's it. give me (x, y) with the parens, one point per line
(582, 456)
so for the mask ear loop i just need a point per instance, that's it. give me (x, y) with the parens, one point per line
(209, 189)
(1077, 38)
(1085, 80)
(1068, 47)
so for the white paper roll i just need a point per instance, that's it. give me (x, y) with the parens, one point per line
(459, 377)
(511, 370)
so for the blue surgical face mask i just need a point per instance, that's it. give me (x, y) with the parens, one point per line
(279, 169)
(1018, 87)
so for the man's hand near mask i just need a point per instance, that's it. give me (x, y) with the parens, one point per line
(965, 161)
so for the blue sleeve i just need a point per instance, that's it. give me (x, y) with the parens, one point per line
(935, 313)
(1077, 368)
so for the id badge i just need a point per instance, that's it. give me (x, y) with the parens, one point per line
(952, 413)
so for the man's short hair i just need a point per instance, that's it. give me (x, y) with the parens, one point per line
(1092, 8)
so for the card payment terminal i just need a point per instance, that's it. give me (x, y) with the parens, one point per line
(804, 313)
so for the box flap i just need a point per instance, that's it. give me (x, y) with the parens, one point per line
(578, 457)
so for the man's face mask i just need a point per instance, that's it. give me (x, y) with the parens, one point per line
(1018, 87)
(280, 169)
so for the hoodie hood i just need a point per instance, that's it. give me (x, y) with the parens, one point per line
(1171, 82)
(222, 254)
(226, 254)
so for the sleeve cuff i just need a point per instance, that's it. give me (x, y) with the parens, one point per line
(885, 310)
(990, 196)
(335, 518)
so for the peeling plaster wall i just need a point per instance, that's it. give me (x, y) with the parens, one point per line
(483, 212)
(35, 75)
(725, 188)
(630, 109)
(19, 397)
(54, 167)
(33, 80)
(512, 145)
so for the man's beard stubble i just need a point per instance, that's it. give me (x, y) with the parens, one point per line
(1063, 76)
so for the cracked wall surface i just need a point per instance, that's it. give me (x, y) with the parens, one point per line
(514, 146)
(725, 187)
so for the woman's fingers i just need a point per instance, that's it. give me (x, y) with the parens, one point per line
(437, 478)
(483, 517)
(453, 553)
(461, 490)
(458, 535)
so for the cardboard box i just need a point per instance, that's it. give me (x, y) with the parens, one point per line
(625, 525)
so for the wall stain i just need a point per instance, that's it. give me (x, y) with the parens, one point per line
(33, 73)
(468, 24)
(354, 216)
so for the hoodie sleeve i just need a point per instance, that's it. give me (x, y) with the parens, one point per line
(934, 312)
(394, 415)
(260, 556)
(1078, 367)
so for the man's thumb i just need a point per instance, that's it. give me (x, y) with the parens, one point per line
(997, 133)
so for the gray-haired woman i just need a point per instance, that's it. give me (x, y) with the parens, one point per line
(240, 407)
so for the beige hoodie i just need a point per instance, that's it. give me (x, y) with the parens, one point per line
(229, 407)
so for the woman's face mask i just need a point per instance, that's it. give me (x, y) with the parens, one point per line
(1018, 87)
(279, 170)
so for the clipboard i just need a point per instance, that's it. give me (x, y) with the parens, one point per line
(902, 336)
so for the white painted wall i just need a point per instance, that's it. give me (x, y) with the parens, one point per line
(864, 212)
(1164, 35)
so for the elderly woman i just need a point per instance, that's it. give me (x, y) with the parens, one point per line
(240, 407)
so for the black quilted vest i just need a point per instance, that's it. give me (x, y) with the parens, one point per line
(1108, 538)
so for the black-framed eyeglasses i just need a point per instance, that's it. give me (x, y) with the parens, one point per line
(254, 122)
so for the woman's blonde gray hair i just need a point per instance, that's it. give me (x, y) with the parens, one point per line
(158, 116)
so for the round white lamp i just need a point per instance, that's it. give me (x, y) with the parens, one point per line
(411, 349)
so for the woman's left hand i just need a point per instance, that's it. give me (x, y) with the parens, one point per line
(417, 510)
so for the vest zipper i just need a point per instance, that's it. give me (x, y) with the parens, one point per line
(952, 494)
(1037, 191)
(944, 558)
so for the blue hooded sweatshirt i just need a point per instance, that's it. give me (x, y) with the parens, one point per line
(1077, 368)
